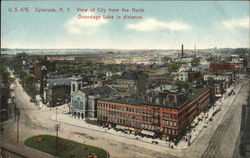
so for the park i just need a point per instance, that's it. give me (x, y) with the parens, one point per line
(64, 148)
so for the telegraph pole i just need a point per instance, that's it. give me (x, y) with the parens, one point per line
(56, 114)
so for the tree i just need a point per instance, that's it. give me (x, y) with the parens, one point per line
(30, 85)
(195, 61)
(173, 66)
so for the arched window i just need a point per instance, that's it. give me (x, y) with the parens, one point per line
(78, 103)
(81, 105)
(74, 87)
(79, 86)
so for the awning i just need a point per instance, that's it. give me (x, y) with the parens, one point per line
(120, 127)
(148, 132)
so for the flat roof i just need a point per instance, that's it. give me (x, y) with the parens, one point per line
(140, 100)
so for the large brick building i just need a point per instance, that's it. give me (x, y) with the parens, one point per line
(221, 67)
(164, 113)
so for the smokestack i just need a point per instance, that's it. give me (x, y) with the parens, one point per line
(182, 51)
(195, 50)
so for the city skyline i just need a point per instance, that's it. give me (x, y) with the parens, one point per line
(165, 25)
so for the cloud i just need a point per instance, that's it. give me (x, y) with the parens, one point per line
(237, 23)
(153, 25)
(84, 23)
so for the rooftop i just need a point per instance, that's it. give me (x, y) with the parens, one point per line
(58, 82)
(139, 100)
(102, 90)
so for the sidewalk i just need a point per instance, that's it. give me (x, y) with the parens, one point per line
(68, 119)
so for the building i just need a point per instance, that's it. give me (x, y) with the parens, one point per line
(183, 76)
(221, 67)
(218, 88)
(110, 74)
(57, 91)
(35, 69)
(83, 100)
(162, 112)
(194, 76)
(220, 82)
(236, 61)
(156, 80)
(190, 74)
(131, 82)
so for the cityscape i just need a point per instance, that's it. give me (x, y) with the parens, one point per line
(87, 93)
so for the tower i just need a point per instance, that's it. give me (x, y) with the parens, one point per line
(182, 51)
(76, 84)
(195, 50)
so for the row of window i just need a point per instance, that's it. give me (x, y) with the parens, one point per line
(124, 115)
(138, 111)
(170, 131)
(127, 109)
(78, 104)
(169, 123)
(140, 118)
(167, 115)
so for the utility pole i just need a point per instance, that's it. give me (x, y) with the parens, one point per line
(18, 118)
(56, 114)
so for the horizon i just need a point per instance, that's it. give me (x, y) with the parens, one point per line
(120, 48)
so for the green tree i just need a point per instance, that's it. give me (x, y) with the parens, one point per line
(173, 66)
(30, 85)
(195, 61)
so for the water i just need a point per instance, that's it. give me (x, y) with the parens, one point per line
(52, 51)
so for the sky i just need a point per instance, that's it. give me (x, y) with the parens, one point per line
(164, 25)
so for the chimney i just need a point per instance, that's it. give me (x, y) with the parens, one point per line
(182, 51)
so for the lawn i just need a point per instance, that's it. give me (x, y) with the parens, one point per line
(66, 148)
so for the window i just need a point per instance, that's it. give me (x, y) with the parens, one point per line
(174, 124)
(74, 87)
(171, 99)
(79, 86)
(167, 115)
(81, 105)
(170, 123)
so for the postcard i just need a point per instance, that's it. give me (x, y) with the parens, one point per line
(124, 79)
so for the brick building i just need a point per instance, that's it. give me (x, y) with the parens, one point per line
(35, 69)
(57, 91)
(164, 113)
(221, 67)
